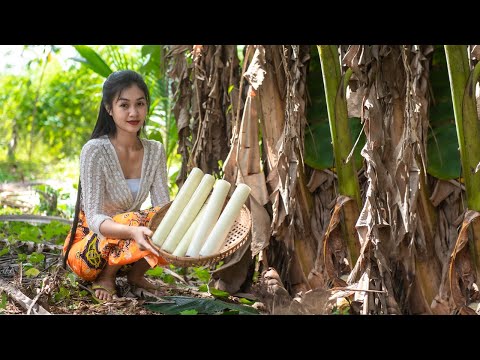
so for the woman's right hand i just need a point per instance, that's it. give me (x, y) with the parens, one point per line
(141, 235)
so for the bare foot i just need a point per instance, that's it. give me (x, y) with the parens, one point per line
(104, 284)
(104, 288)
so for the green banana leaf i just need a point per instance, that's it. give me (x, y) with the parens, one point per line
(318, 140)
(92, 60)
(178, 304)
(443, 156)
(153, 61)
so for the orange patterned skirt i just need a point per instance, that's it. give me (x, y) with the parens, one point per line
(89, 254)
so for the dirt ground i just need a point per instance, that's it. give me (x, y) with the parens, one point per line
(56, 293)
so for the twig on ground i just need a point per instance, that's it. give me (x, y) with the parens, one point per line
(23, 300)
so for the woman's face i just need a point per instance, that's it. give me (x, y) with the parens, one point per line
(129, 110)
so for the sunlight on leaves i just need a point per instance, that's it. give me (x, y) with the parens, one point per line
(3, 302)
(202, 274)
(219, 293)
(32, 272)
(62, 294)
(189, 312)
(4, 251)
(36, 258)
(246, 301)
(72, 278)
(155, 272)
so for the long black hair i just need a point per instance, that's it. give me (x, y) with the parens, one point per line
(113, 86)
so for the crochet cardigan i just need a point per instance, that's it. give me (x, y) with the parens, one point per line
(105, 191)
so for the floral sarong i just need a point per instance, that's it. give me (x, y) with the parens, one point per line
(89, 254)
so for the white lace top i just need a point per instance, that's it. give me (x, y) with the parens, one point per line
(134, 186)
(105, 191)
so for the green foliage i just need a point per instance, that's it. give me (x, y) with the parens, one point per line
(5, 250)
(52, 202)
(62, 294)
(54, 232)
(32, 263)
(442, 152)
(344, 310)
(7, 210)
(202, 274)
(48, 200)
(21, 231)
(240, 53)
(318, 140)
(220, 174)
(71, 279)
(92, 60)
(443, 156)
(218, 293)
(17, 171)
(189, 312)
(246, 301)
(21, 257)
(158, 272)
(47, 115)
(36, 258)
(67, 289)
(177, 304)
(32, 272)
(49, 110)
(318, 146)
(169, 279)
(3, 302)
(151, 60)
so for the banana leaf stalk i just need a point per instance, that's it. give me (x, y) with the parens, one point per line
(462, 85)
(335, 93)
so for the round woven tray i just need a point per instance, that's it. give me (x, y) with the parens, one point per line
(236, 237)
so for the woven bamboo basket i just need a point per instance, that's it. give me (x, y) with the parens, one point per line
(236, 237)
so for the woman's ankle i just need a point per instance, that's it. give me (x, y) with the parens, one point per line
(141, 282)
(107, 277)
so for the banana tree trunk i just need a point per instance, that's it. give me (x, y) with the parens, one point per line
(281, 99)
(394, 80)
(212, 80)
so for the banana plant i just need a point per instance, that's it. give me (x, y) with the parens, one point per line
(335, 85)
(463, 81)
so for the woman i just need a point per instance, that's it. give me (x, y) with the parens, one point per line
(118, 170)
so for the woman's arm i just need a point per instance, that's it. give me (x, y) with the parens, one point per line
(140, 234)
(93, 185)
